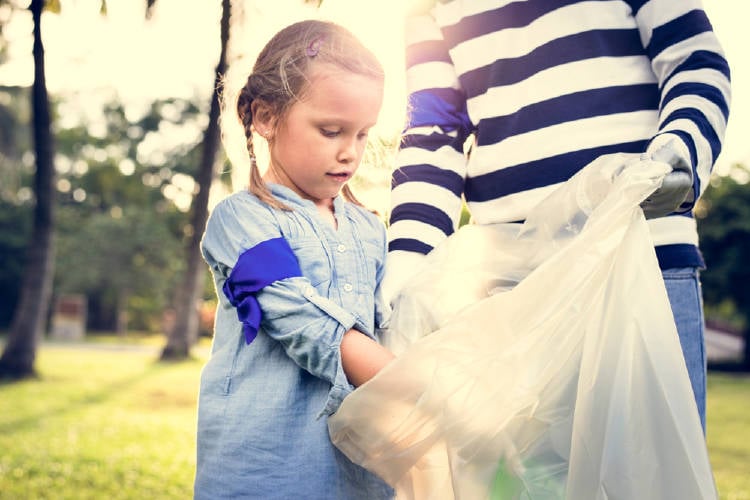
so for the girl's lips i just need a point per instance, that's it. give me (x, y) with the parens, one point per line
(340, 176)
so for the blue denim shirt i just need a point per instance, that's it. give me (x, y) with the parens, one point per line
(260, 431)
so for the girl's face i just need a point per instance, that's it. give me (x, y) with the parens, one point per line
(318, 145)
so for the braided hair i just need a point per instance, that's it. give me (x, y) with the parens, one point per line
(280, 77)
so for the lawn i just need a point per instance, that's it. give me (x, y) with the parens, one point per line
(728, 434)
(99, 424)
(107, 423)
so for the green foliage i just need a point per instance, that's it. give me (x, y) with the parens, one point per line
(119, 238)
(129, 162)
(14, 141)
(136, 258)
(119, 229)
(724, 229)
(15, 228)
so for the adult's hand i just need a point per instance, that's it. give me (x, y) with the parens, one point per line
(676, 191)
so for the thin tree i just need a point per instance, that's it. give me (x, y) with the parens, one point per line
(29, 319)
(30, 316)
(184, 333)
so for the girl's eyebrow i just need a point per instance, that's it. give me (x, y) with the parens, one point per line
(341, 121)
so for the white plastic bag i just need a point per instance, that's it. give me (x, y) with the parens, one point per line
(537, 361)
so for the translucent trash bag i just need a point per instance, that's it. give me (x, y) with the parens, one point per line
(537, 361)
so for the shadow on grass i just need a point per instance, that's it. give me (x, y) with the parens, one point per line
(98, 396)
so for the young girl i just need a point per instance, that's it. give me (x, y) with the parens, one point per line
(297, 262)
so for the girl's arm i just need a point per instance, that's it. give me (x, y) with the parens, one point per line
(362, 357)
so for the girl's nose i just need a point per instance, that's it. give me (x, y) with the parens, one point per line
(349, 151)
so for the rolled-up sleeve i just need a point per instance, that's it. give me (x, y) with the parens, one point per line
(310, 328)
(308, 325)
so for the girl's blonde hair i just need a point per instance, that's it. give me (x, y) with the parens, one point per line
(280, 77)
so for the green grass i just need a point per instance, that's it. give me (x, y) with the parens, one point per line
(99, 424)
(728, 434)
(115, 424)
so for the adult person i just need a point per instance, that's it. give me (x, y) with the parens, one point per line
(510, 99)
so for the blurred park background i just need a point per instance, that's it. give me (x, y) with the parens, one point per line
(111, 157)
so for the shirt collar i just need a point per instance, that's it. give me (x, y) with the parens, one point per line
(291, 198)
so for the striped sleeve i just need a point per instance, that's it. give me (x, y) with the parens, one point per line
(428, 180)
(693, 76)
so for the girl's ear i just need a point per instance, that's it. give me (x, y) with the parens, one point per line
(264, 118)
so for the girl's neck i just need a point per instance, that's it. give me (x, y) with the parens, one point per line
(325, 207)
(327, 212)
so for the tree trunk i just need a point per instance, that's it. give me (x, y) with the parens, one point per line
(123, 316)
(185, 331)
(30, 316)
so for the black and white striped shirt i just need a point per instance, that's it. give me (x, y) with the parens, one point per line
(543, 87)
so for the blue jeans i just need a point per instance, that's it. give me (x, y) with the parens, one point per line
(684, 290)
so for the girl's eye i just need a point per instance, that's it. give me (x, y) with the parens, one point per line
(329, 133)
(363, 135)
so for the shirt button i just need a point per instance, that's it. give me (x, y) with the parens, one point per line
(348, 287)
(341, 247)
